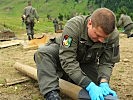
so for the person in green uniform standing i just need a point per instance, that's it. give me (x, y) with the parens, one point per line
(29, 15)
(127, 24)
(85, 54)
(55, 22)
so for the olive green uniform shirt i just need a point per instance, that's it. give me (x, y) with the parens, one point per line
(80, 50)
(124, 20)
(30, 13)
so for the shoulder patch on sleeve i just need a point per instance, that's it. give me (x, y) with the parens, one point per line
(67, 41)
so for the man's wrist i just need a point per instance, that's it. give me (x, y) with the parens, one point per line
(103, 80)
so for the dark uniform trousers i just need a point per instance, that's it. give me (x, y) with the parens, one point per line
(49, 69)
(128, 29)
(56, 27)
(30, 29)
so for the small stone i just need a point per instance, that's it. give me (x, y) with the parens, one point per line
(125, 60)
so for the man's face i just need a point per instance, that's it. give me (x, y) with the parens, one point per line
(96, 34)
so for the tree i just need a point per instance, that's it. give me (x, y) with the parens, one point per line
(60, 17)
(77, 1)
(65, 1)
(46, 1)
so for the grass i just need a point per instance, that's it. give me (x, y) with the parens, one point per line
(2, 80)
(11, 11)
(15, 24)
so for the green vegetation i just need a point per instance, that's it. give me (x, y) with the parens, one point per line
(11, 11)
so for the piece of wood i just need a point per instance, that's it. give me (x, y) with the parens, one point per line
(66, 87)
(10, 43)
(69, 89)
(15, 81)
(26, 69)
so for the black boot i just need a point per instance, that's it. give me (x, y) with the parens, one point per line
(131, 35)
(32, 36)
(128, 36)
(29, 38)
(53, 95)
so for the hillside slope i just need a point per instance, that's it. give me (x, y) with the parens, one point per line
(11, 11)
(52, 7)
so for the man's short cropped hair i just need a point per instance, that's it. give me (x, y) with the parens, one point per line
(104, 18)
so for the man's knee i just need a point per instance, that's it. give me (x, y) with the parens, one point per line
(37, 57)
(40, 53)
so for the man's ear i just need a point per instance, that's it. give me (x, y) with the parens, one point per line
(89, 23)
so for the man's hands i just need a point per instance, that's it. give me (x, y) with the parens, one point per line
(95, 91)
(106, 89)
(98, 92)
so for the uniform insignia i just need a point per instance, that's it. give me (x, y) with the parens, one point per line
(67, 41)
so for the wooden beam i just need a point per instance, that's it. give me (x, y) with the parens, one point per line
(14, 81)
(10, 43)
(66, 87)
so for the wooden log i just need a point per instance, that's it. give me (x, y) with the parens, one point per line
(66, 87)
(27, 70)
(69, 89)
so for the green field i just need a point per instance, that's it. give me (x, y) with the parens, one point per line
(11, 11)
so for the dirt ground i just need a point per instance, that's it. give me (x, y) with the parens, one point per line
(121, 81)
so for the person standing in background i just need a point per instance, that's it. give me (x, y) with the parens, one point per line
(127, 24)
(28, 17)
(55, 22)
